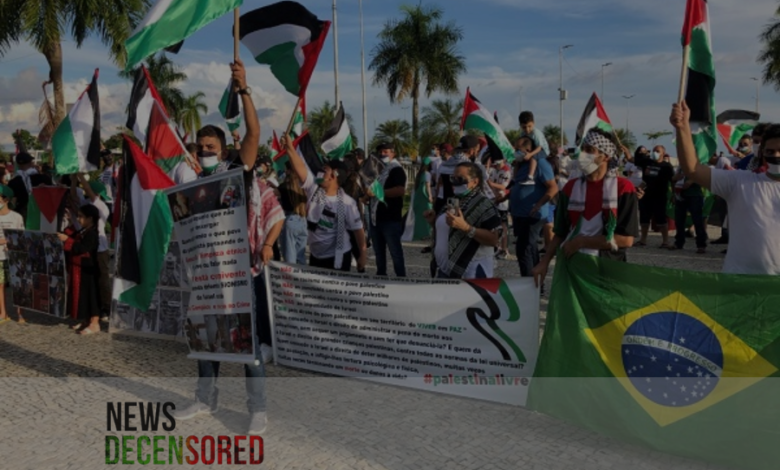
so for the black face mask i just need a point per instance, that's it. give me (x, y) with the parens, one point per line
(772, 160)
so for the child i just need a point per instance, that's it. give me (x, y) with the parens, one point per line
(85, 271)
(540, 147)
(8, 220)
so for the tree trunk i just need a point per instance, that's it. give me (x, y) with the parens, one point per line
(416, 113)
(53, 54)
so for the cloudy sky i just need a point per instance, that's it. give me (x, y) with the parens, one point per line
(511, 50)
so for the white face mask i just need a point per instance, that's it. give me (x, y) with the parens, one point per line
(2, 206)
(319, 178)
(744, 149)
(461, 189)
(385, 159)
(209, 162)
(656, 156)
(773, 169)
(588, 163)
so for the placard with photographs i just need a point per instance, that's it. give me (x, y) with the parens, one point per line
(168, 309)
(36, 264)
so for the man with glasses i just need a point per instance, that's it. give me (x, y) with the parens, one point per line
(753, 198)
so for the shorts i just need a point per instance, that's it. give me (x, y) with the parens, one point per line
(504, 215)
(4, 274)
(550, 213)
(652, 209)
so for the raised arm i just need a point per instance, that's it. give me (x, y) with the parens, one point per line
(686, 152)
(299, 167)
(251, 141)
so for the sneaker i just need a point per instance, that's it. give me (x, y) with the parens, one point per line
(528, 182)
(267, 352)
(192, 411)
(104, 318)
(501, 254)
(258, 423)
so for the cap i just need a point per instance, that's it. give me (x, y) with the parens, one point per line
(384, 146)
(446, 148)
(468, 142)
(6, 191)
(23, 158)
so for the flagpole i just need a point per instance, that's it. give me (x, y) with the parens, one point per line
(363, 78)
(336, 51)
(236, 33)
(684, 74)
(292, 118)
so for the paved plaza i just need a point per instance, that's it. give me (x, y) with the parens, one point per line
(55, 387)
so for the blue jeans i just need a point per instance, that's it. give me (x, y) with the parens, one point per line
(387, 235)
(208, 371)
(527, 231)
(293, 239)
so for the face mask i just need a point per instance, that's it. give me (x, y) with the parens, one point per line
(773, 169)
(743, 149)
(656, 156)
(588, 163)
(208, 160)
(385, 159)
(319, 178)
(2, 206)
(461, 190)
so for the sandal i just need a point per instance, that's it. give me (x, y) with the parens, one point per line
(4, 320)
(86, 331)
(22, 321)
(77, 326)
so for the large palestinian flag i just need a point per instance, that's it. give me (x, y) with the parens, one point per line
(46, 209)
(76, 142)
(169, 22)
(337, 140)
(476, 116)
(289, 38)
(229, 107)
(700, 91)
(593, 116)
(142, 100)
(145, 228)
(735, 124)
(163, 144)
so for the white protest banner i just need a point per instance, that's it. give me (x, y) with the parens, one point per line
(39, 280)
(475, 339)
(211, 226)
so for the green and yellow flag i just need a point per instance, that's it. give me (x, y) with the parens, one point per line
(677, 360)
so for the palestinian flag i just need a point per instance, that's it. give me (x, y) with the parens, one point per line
(142, 100)
(337, 141)
(163, 144)
(476, 116)
(169, 22)
(593, 116)
(308, 151)
(289, 38)
(145, 228)
(279, 157)
(735, 124)
(299, 120)
(46, 209)
(229, 107)
(76, 142)
(700, 92)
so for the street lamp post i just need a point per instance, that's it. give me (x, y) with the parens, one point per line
(628, 109)
(562, 92)
(603, 66)
(363, 77)
(336, 52)
(758, 86)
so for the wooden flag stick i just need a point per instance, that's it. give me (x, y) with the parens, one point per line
(684, 74)
(292, 118)
(236, 33)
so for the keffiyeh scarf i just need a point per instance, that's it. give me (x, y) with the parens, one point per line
(264, 213)
(25, 175)
(317, 205)
(476, 210)
(382, 180)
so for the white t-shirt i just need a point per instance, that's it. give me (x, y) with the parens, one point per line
(322, 242)
(182, 173)
(501, 176)
(441, 251)
(633, 173)
(754, 221)
(104, 213)
(11, 220)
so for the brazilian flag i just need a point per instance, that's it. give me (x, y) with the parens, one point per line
(684, 362)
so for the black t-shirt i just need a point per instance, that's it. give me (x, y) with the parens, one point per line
(20, 190)
(391, 210)
(657, 175)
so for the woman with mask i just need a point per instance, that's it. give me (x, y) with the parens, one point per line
(466, 231)
(596, 213)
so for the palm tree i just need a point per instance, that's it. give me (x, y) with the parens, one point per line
(166, 76)
(440, 123)
(45, 24)
(553, 135)
(627, 138)
(770, 54)
(657, 135)
(397, 133)
(417, 50)
(190, 112)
